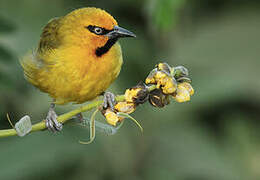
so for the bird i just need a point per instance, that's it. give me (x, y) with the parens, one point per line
(77, 58)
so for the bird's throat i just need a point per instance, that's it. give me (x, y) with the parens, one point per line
(104, 49)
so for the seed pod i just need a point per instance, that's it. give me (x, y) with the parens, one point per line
(137, 94)
(164, 67)
(183, 79)
(180, 71)
(158, 99)
(142, 95)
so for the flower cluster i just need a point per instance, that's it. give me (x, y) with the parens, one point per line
(169, 81)
(162, 83)
(133, 97)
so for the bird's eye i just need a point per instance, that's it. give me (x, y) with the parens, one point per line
(98, 30)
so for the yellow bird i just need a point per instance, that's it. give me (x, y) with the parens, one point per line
(77, 58)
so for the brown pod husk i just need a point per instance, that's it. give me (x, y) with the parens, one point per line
(158, 99)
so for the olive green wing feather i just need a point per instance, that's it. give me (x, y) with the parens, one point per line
(50, 37)
(36, 61)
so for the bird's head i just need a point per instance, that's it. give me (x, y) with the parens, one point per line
(92, 28)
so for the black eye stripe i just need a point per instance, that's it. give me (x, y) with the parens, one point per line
(92, 29)
(104, 49)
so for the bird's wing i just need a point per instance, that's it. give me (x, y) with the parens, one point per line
(40, 59)
(50, 38)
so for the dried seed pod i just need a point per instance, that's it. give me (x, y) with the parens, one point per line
(183, 79)
(137, 95)
(158, 99)
(164, 67)
(180, 71)
(142, 95)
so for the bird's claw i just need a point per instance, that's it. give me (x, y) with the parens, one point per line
(51, 121)
(109, 100)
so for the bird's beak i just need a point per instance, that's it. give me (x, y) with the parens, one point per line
(119, 32)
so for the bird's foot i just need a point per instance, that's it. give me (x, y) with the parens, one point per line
(109, 100)
(51, 120)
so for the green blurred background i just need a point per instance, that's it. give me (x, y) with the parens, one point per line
(214, 136)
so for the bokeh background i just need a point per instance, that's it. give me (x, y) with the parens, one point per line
(214, 136)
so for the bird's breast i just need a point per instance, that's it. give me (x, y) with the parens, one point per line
(95, 74)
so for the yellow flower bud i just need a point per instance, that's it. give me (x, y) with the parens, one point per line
(161, 79)
(130, 94)
(164, 67)
(188, 87)
(150, 78)
(136, 95)
(170, 86)
(111, 117)
(182, 94)
(166, 82)
(159, 75)
(125, 107)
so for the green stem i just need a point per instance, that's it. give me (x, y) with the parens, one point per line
(66, 116)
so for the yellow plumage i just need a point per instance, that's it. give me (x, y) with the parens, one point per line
(67, 64)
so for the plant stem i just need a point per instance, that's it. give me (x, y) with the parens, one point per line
(66, 116)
